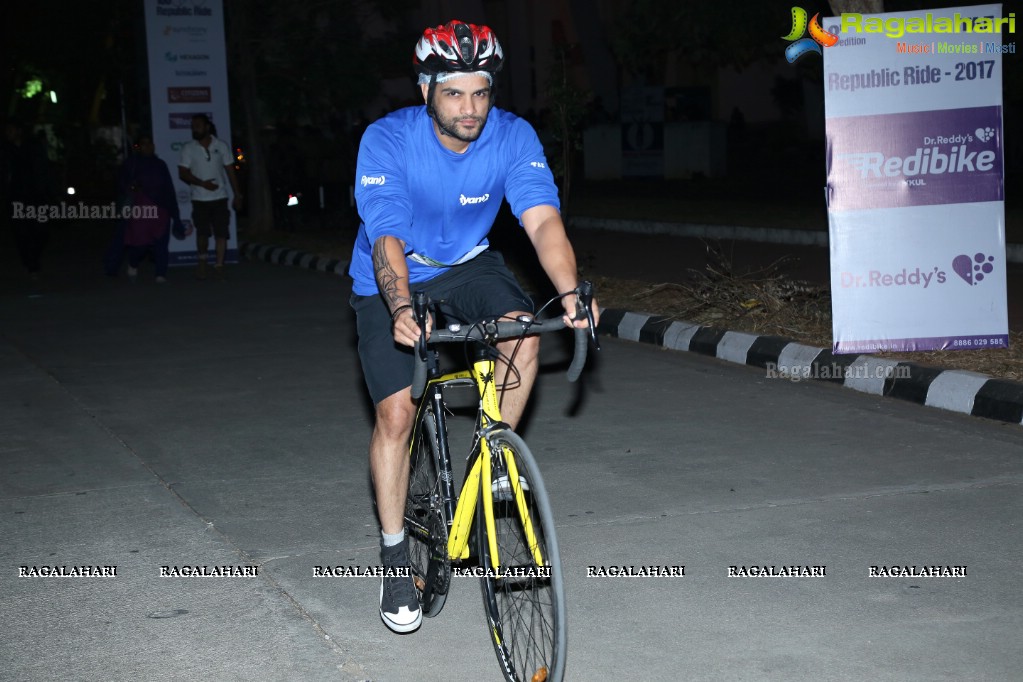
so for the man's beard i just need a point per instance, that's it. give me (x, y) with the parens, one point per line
(448, 126)
(196, 135)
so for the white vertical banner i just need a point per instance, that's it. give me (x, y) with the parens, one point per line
(913, 106)
(187, 76)
(642, 113)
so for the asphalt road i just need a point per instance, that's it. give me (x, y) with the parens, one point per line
(225, 423)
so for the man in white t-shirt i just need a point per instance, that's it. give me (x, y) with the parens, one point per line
(205, 163)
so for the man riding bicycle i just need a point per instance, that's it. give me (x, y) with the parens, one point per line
(429, 183)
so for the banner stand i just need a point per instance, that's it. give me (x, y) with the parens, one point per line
(915, 186)
(187, 75)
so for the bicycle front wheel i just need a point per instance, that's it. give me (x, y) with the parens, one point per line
(524, 598)
(426, 521)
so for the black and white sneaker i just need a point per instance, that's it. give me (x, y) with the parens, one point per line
(502, 489)
(399, 603)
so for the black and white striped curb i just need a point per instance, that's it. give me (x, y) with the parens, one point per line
(967, 392)
(281, 255)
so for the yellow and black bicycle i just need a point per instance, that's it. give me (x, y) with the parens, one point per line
(500, 525)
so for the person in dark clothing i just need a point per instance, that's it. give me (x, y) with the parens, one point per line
(150, 207)
(23, 185)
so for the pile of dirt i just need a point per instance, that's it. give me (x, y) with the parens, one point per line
(768, 302)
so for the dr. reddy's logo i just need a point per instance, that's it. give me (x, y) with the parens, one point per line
(972, 270)
(818, 36)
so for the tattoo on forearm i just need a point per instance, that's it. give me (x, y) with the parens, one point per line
(387, 278)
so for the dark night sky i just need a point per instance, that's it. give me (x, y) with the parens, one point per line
(79, 47)
(87, 51)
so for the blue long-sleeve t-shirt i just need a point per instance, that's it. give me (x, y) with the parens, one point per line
(440, 203)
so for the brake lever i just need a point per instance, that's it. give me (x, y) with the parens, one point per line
(584, 300)
(420, 313)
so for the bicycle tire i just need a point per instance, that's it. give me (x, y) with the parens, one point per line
(526, 615)
(426, 523)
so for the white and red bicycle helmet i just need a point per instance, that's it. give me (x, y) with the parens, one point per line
(458, 47)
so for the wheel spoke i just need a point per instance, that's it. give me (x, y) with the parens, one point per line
(424, 520)
(527, 612)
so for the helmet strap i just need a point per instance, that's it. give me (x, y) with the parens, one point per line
(430, 111)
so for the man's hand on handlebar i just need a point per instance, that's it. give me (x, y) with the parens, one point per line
(581, 310)
(406, 330)
(575, 315)
(581, 314)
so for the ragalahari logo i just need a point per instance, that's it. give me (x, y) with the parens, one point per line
(818, 36)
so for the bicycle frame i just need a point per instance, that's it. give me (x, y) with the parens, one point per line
(525, 611)
(479, 474)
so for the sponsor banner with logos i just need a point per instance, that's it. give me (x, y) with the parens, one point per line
(915, 186)
(187, 76)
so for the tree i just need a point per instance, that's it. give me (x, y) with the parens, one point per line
(567, 104)
(840, 7)
(81, 63)
(306, 62)
(73, 55)
(649, 32)
(259, 195)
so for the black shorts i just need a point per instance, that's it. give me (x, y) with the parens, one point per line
(480, 288)
(211, 217)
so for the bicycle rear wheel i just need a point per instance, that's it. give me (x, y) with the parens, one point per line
(524, 599)
(426, 520)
